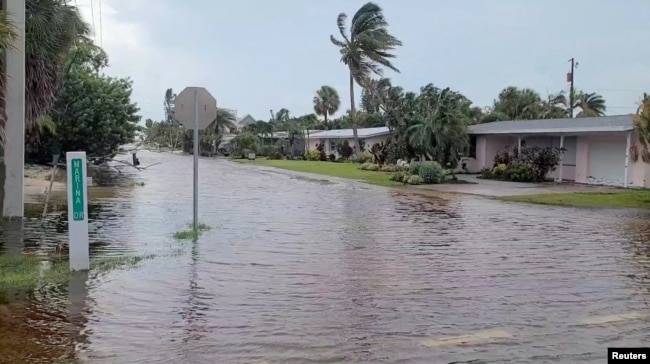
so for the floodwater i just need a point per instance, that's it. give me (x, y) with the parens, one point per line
(295, 270)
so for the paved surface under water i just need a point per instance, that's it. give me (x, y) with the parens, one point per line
(295, 270)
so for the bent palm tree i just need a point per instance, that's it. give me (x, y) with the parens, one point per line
(365, 49)
(326, 102)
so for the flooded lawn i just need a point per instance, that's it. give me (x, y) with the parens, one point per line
(294, 270)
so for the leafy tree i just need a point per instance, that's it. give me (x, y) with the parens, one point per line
(365, 49)
(93, 112)
(326, 102)
(589, 104)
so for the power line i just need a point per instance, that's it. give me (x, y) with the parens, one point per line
(92, 16)
(101, 30)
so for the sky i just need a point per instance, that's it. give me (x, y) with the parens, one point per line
(255, 56)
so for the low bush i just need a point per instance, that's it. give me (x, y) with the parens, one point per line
(396, 150)
(399, 176)
(346, 150)
(364, 158)
(389, 168)
(431, 172)
(369, 167)
(312, 155)
(331, 157)
(414, 180)
(521, 173)
(275, 156)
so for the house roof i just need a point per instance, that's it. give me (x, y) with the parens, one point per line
(246, 120)
(558, 126)
(348, 133)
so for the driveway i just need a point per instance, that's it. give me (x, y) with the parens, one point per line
(483, 187)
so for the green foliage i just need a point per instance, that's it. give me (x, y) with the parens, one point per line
(52, 28)
(244, 143)
(415, 180)
(520, 172)
(396, 150)
(346, 150)
(275, 156)
(93, 112)
(399, 176)
(312, 155)
(369, 167)
(531, 165)
(431, 172)
(326, 102)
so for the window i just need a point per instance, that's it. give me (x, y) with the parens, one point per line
(472, 146)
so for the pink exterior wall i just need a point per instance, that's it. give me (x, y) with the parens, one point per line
(576, 160)
(313, 142)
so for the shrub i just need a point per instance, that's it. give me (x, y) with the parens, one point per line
(542, 160)
(346, 150)
(364, 157)
(373, 167)
(275, 155)
(331, 157)
(312, 155)
(389, 168)
(414, 168)
(521, 173)
(431, 172)
(396, 150)
(487, 173)
(500, 170)
(503, 157)
(414, 180)
(399, 176)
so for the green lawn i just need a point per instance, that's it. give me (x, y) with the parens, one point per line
(615, 199)
(343, 170)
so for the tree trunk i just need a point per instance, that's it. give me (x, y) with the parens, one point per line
(327, 126)
(353, 118)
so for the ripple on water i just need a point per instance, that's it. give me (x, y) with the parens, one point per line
(299, 271)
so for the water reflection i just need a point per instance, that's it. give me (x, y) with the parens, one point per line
(299, 271)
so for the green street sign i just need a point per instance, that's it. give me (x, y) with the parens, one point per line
(78, 193)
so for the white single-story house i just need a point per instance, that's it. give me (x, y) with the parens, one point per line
(599, 150)
(331, 138)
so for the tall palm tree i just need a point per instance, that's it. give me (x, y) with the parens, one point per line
(52, 28)
(326, 102)
(365, 49)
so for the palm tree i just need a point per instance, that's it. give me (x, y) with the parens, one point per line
(7, 36)
(441, 130)
(590, 104)
(365, 49)
(642, 128)
(326, 102)
(225, 120)
(52, 28)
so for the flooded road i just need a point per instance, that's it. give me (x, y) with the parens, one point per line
(296, 270)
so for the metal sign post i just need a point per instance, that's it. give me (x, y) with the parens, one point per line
(77, 183)
(195, 108)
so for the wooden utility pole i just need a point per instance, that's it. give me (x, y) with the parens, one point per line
(570, 78)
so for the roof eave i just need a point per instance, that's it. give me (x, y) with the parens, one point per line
(554, 131)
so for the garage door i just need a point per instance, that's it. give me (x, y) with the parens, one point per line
(607, 162)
